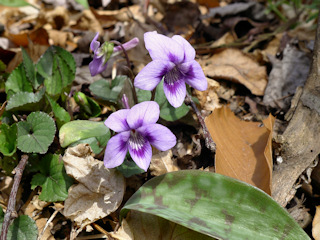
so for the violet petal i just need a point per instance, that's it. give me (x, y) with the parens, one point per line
(150, 76)
(97, 66)
(159, 136)
(117, 121)
(175, 92)
(116, 150)
(141, 153)
(189, 52)
(94, 45)
(143, 113)
(193, 75)
(161, 47)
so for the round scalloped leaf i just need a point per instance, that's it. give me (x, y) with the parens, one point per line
(215, 205)
(52, 178)
(23, 228)
(36, 134)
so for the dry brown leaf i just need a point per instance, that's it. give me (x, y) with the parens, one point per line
(316, 224)
(88, 22)
(243, 148)
(99, 191)
(234, 65)
(37, 36)
(162, 162)
(209, 99)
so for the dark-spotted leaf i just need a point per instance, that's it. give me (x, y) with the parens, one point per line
(14, 3)
(22, 228)
(36, 134)
(52, 178)
(107, 90)
(62, 116)
(74, 131)
(8, 139)
(25, 101)
(215, 205)
(17, 82)
(168, 112)
(57, 67)
(143, 226)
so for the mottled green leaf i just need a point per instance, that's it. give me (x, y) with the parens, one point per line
(36, 134)
(14, 3)
(143, 226)
(8, 139)
(17, 82)
(22, 228)
(81, 129)
(62, 116)
(215, 205)
(107, 90)
(25, 101)
(168, 112)
(57, 67)
(52, 178)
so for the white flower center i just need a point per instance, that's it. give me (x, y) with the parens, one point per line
(136, 140)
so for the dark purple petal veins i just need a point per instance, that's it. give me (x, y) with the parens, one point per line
(137, 143)
(172, 76)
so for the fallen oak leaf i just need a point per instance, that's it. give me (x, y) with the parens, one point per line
(243, 148)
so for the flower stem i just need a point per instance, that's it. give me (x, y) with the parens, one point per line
(153, 94)
(208, 139)
(13, 195)
(134, 93)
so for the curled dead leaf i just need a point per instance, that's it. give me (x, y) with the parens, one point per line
(244, 148)
(99, 191)
(234, 65)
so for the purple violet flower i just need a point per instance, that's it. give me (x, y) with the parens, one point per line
(173, 60)
(137, 129)
(102, 54)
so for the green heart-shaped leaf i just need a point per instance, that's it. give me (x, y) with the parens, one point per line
(36, 134)
(57, 67)
(215, 205)
(22, 228)
(108, 91)
(52, 178)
